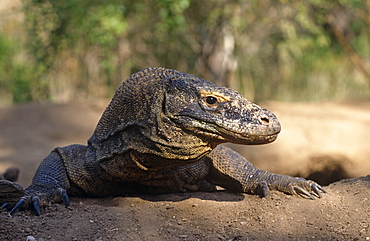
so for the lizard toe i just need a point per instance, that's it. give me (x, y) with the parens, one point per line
(316, 191)
(36, 205)
(297, 186)
(5, 205)
(308, 188)
(64, 196)
(19, 204)
(262, 189)
(36, 200)
(302, 192)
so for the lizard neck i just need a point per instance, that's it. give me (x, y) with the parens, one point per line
(159, 140)
(169, 141)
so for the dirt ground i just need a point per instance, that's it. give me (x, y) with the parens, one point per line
(323, 141)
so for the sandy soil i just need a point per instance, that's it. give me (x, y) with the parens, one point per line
(326, 141)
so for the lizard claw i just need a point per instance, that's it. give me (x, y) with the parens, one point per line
(317, 189)
(65, 197)
(20, 203)
(308, 188)
(262, 189)
(296, 186)
(36, 205)
(301, 191)
(40, 199)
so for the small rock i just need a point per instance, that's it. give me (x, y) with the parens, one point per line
(30, 238)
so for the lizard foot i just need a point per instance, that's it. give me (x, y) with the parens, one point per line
(299, 186)
(315, 188)
(287, 184)
(40, 199)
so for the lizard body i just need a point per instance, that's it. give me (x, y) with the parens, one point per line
(159, 134)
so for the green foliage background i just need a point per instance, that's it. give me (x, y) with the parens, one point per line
(287, 50)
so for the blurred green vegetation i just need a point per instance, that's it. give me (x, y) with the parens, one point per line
(288, 50)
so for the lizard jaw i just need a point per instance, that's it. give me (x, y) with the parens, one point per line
(235, 132)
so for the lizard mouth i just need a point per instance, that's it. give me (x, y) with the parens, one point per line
(235, 132)
(247, 138)
(263, 130)
(255, 136)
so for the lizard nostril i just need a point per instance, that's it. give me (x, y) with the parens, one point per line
(265, 119)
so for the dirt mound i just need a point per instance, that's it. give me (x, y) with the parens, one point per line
(328, 141)
(342, 214)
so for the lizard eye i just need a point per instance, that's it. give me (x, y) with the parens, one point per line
(211, 100)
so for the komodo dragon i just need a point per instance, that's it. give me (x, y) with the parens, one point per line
(160, 134)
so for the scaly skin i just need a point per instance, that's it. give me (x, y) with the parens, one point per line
(160, 134)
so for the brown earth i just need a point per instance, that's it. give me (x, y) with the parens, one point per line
(323, 141)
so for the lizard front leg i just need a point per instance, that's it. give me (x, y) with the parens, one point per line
(50, 184)
(233, 172)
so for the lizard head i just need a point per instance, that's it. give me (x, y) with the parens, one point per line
(218, 114)
(178, 116)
